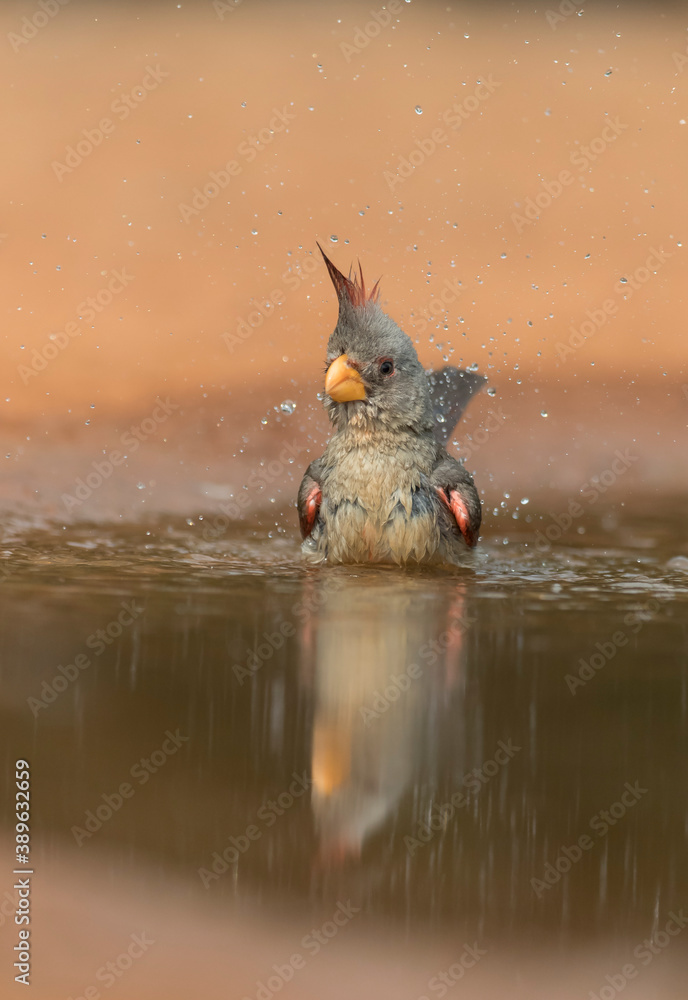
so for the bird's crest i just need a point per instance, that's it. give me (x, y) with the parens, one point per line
(351, 290)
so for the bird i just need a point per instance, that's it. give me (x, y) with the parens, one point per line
(385, 490)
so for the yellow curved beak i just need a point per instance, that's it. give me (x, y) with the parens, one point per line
(342, 382)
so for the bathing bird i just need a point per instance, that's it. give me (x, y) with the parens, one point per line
(385, 489)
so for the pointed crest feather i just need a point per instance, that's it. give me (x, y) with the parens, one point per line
(351, 289)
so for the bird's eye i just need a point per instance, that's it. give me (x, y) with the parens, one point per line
(386, 367)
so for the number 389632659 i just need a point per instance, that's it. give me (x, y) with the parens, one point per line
(22, 775)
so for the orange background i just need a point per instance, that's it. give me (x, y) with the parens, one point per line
(324, 176)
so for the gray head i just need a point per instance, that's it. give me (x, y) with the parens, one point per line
(374, 379)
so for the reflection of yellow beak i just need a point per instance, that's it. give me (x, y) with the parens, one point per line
(331, 763)
(342, 382)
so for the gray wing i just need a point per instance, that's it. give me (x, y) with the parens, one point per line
(310, 497)
(451, 390)
(457, 492)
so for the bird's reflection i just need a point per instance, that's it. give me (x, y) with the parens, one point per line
(378, 651)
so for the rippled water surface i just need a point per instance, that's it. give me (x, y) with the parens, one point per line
(496, 755)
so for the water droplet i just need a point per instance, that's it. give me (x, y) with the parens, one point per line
(525, 500)
(288, 406)
(608, 73)
(140, 486)
(334, 239)
(544, 413)
(418, 109)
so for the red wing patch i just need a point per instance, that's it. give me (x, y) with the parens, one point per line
(454, 503)
(310, 510)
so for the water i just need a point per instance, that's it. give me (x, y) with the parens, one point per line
(421, 744)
